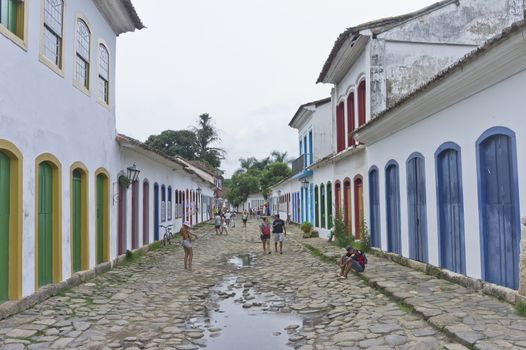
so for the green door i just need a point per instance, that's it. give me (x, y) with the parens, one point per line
(45, 224)
(4, 227)
(100, 219)
(76, 198)
(329, 206)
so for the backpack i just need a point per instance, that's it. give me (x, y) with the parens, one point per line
(265, 230)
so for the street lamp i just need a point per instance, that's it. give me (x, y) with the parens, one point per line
(305, 184)
(132, 173)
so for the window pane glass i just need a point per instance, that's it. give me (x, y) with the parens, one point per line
(81, 71)
(52, 46)
(104, 62)
(53, 16)
(103, 88)
(83, 40)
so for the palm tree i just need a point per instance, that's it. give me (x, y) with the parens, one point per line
(207, 135)
(279, 157)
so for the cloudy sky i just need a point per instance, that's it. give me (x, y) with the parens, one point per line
(249, 63)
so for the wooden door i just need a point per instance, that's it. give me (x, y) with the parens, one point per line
(374, 203)
(450, 211)
(100, 212)
(4, 225)
(499, 211)
(135, 215)
(323, 204)
(45, 224)
(76, 212)
(416, 202)
(316, 207)
(393, 209)
(358, 206)
(145, 213)
(330, 221)
(121, 241)
(156, 212)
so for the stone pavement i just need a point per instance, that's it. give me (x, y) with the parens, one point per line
(155, 304)
(471, 318)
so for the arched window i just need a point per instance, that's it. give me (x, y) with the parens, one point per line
(82, 49)
(340, 127)
(104, 74)
(361, 103)
(53, 31)
(337, 198)
(350, 118)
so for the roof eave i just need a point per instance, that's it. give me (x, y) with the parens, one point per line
(120, 14)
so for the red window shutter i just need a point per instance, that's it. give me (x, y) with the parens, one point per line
(361, 103)
(350, 118)
(340, 132)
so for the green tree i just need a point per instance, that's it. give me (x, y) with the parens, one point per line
(279, 157)
(175, 142)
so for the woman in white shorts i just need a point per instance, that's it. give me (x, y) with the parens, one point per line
(186, 242)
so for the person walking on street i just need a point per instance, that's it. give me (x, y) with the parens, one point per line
(227, 218)
(217, 223)
(186, 242)
(279, 230)
(224, 228)
(244, 218)
(264, 229)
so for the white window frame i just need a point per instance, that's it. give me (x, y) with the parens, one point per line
(80, 85)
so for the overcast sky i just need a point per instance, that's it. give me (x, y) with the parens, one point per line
(249, 63)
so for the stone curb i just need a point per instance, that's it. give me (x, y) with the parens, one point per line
(509, 295)
(434, 317)
(11, 308)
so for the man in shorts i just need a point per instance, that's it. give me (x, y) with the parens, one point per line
(279, 232)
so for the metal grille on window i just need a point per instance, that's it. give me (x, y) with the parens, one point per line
(53, 31)
(83, 45)
(104, 74)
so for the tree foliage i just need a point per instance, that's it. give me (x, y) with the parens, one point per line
(256, 176)
(197, 143)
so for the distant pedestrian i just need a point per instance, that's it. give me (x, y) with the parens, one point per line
(264, 228)
(227, 218)
(217, 223)
(224, 228)
(186, 242)
(244, 218)
(279, 231)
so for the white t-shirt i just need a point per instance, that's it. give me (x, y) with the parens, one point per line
(218, 220)
(227, 216)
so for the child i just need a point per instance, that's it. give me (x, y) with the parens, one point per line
(353, 259)
(225, 227)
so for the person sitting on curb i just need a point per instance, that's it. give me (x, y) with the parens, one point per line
(353, 259)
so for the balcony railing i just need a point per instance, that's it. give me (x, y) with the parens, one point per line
(300, 164)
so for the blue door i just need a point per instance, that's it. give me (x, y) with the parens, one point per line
(392, 188)
(416, 202)
(156, 212)
(450, 209)
(374, 207)
(499, 210)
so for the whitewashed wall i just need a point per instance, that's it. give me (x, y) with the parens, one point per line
(463, 123)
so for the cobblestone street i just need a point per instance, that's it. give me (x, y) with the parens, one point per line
(236, 296)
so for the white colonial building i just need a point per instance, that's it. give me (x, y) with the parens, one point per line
(383, 150)
(66, 204)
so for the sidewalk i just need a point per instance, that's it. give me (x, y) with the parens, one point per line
(471, 318)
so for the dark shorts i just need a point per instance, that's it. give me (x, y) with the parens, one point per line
(218, 226)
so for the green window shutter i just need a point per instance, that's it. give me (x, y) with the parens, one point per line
(4, 226)
(329, 206)
(8, 14)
